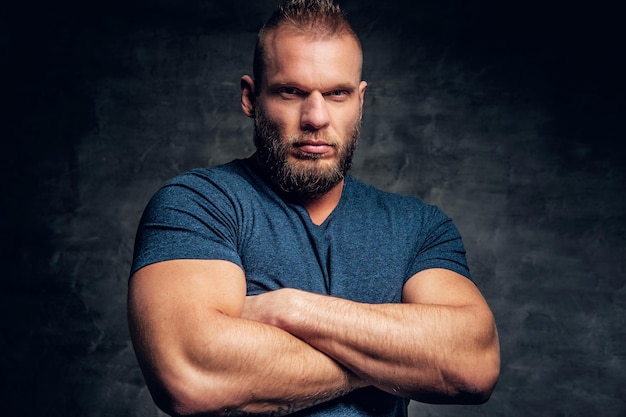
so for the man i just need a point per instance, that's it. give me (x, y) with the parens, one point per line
(279, 284)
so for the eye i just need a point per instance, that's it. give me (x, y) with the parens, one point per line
(288, 92)
(338, 95)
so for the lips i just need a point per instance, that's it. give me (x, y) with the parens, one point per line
(314, 147)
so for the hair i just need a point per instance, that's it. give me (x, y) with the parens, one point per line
(316, 18)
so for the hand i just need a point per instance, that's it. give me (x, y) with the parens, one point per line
(276, 308)
(269, 307)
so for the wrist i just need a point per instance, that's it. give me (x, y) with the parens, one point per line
(354, 382)
(296, 312)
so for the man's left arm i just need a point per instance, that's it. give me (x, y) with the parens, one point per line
(439, 345)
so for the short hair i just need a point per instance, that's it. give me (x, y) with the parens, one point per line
(316, 18)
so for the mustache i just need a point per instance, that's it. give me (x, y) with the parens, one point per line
(312, 137)
(268, 128)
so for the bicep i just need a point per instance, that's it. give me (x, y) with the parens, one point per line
(442, 287)
(171, 303)
(462, 332)
(457, 298)
(186, 283)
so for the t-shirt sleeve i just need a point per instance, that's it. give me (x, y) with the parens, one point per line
(187, 219)
(441, 246)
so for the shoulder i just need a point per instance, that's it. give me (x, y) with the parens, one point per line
(231, 173)
(221, 191)
(231, 181)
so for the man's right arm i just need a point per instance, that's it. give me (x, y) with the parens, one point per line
(199, 356)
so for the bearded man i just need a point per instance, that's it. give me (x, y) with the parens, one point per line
(280, 284)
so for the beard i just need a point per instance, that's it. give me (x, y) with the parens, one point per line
(310, 176)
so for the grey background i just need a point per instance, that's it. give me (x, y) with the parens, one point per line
(508, 115)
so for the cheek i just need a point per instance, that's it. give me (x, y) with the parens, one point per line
(349, 119)
(285, 117)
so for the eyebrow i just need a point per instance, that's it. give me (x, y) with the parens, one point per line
(340, 86)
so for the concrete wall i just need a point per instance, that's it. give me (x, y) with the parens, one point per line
(508, 115)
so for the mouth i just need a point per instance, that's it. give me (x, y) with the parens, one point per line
(316, 147)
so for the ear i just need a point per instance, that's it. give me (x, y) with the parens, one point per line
(362, 88)
(247, 95)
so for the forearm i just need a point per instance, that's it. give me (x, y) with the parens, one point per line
(241, 366)
(266, 369)
(424, 352)
(200, 357)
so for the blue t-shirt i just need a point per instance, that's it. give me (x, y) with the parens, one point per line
(365, 251)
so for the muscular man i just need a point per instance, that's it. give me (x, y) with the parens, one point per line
(280, 284)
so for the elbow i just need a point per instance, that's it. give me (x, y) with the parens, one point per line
(182, 397)
(478, 389)
(178, 404)
(482, 373)
(490, 379)
(175, 401)
(464, 386)
(480, 378)
(472, 381)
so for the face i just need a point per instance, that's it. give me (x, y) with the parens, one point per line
(307, 111)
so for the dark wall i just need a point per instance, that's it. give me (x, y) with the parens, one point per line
(508, 115)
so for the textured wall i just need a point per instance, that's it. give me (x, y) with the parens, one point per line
(506, 115)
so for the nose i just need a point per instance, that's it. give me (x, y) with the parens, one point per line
(315, 114)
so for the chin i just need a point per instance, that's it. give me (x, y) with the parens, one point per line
(317, 162)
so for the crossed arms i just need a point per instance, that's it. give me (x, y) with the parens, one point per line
(205, 348)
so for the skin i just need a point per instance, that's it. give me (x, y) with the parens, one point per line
(205, 348)
(315, 89)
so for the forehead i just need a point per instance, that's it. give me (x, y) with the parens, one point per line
(292, 57)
